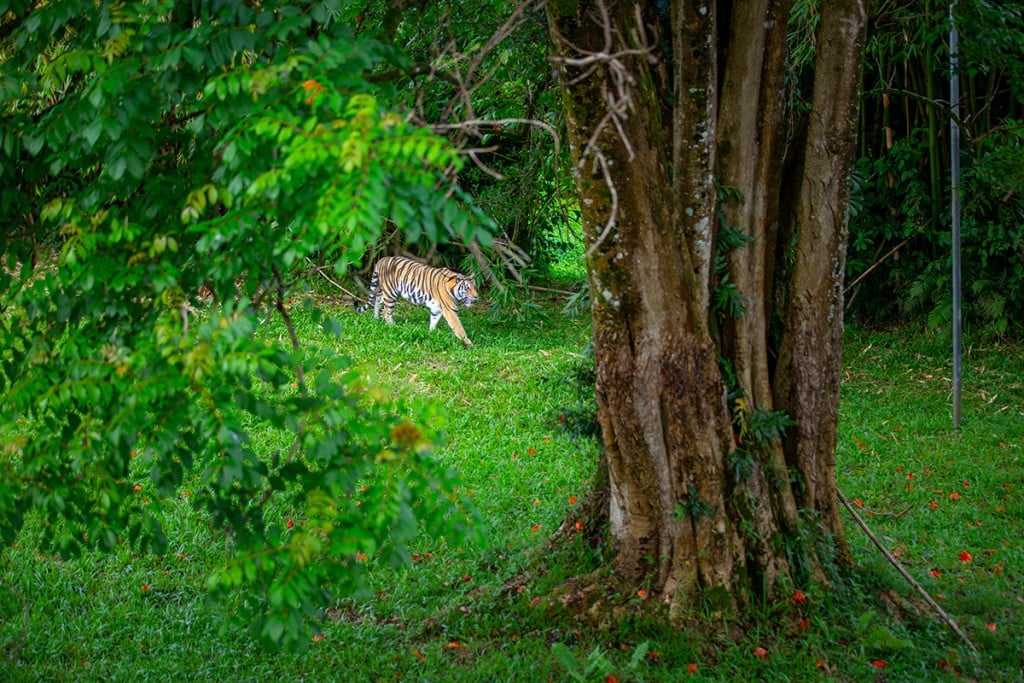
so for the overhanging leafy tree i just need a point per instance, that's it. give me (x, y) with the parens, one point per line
(172, 150)
(717, 224)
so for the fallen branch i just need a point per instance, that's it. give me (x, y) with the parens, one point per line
(906, 575)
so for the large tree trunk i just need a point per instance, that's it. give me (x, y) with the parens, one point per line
(702, 505)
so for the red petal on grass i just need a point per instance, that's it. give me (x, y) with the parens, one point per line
(691, 668)
(965, 556)
(933, 505)
(935, 573)
(954, 496)
(858, 502)
(799, 598)
(879, 663)
(991, 626)
(760, 652)
(573, 500)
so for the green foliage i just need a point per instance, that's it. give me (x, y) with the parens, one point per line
(878, 637)
(693, 506)
(596, 665)
(900, 209)
(164, 169)
(491, 89)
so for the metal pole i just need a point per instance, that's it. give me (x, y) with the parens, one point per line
(954, 167)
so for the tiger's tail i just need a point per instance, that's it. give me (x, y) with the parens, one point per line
(374, 283)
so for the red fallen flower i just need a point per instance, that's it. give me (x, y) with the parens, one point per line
(573, 500)
(933, 505)
(991, 626)
(954, 496)
(760, 652)
(935, 573)
(691, 668)
(879, 663)
(290, 524)
(799, 598)
(965, 556)
(858, 502)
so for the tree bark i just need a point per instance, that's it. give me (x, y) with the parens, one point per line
(652, 133)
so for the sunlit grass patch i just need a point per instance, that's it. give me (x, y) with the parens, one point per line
(949, 504)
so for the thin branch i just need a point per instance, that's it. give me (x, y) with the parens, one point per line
(319, 270)
(906, 575)
(473, 123)
(875, 265)
(299, 373)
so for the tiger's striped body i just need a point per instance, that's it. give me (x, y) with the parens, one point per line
(439, 289)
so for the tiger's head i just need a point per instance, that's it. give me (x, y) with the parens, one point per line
(464, 291)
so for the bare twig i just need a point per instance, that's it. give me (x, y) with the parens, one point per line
(906, 575)
(320, 271)
(472, 125)
(875, 265)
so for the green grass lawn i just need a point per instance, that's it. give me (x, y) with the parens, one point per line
(480, 614)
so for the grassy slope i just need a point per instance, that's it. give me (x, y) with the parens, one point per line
(454, 615)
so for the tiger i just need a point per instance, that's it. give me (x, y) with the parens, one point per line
(439, 289)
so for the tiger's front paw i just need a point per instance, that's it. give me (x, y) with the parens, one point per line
(467, 342)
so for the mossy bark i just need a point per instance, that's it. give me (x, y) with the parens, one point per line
(653, 130)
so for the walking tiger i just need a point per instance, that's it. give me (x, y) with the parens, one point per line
(439, 289)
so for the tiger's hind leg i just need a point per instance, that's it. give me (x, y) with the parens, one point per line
(389, 307)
